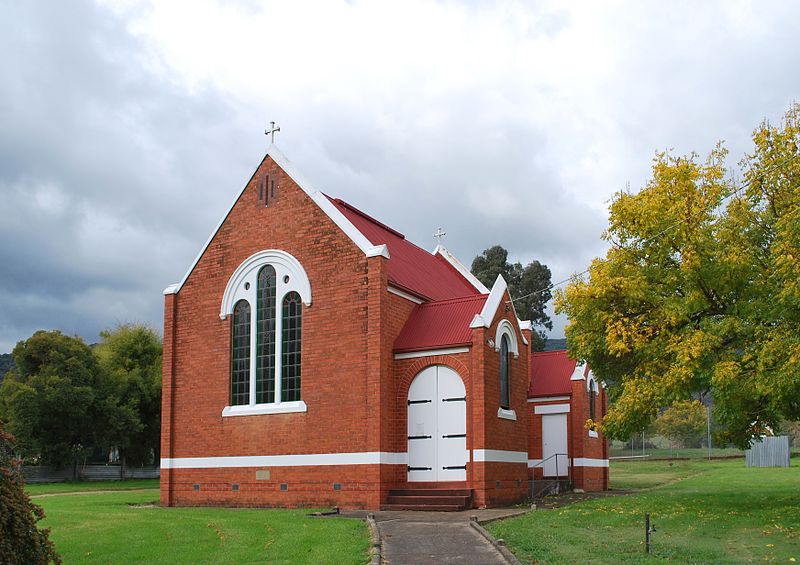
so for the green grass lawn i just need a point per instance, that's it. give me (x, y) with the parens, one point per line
(691, 452)
(627, 475)
(705, 512)
(79, 486)
(123, 527)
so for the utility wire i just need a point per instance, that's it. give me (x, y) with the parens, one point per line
(662, 232)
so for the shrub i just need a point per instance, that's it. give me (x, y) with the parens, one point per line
(21, 542)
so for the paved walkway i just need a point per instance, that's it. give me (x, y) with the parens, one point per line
(436, 537)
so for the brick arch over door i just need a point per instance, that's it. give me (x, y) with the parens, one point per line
(414, 369)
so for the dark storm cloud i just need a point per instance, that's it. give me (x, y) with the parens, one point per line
(98, 151)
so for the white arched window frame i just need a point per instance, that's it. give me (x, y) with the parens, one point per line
(592, 391)
(505, 329)
(243, 285)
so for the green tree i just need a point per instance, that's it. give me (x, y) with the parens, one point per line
(528, 286)
(699, 290)
(21, 542)
(130, 359)
(684, 423)
(50, 400)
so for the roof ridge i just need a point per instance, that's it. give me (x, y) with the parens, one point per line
(381, 224)
(456, 299)
(551, 352)
(367, 216)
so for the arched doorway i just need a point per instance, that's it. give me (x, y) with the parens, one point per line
(437, 426)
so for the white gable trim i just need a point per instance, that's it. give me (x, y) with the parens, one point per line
(484, 319)
(320, 199)
(459, 266)
(577, 374)
(431, 352)
(404, 294)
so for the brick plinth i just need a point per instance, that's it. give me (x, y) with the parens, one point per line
(358, 486)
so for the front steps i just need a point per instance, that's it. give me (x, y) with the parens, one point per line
(430, 498)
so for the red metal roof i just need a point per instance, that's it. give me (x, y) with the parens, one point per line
(411, 268)
(550, 374)
(445, 323)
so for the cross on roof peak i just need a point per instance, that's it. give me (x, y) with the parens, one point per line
(271, 131)
(439, 235)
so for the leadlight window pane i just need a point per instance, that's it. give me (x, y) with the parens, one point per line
(240, 357)
(292, 321)
(504, 392)
(265, 336)
(592, 396)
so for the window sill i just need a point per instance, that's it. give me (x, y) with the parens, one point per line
(506, 414)
(259, 409)
(592, 433)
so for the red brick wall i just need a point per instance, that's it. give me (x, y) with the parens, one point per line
(587, 478)
(305, 486)
(493, 432)
(341, 384)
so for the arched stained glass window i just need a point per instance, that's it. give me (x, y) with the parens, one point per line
(264, 298)
(265, 336)
(240, 354)
(592, 398)
(290, 347)
(505, 401)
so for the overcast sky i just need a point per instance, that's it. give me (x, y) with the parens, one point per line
(126, 128)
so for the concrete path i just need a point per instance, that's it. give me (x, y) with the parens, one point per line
(437, 537)
(435, 542)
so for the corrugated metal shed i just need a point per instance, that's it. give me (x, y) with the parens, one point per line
(550, 374)
(434, 325)
(769, 452)
(411, 268)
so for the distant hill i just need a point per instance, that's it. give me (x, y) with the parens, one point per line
(555, 344)
(6, 364)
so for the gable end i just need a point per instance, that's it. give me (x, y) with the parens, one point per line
(319, 199)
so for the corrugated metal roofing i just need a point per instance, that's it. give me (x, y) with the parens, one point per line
(434, 325)
(550, 374)
(411, 268)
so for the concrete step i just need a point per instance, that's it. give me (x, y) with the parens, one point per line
(424, 507)
(430, 492)
(442, 499)
(423, 499)
(432, 484)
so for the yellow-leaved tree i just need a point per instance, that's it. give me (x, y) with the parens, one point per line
(700, 290)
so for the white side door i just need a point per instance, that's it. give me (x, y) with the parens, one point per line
(437, 426)
(554, 445)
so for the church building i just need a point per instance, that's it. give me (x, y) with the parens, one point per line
(314, 356)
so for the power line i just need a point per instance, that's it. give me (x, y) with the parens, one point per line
(551, 286)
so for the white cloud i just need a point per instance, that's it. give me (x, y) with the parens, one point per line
(131, 124)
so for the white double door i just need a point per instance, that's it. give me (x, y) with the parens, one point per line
(437, 426)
